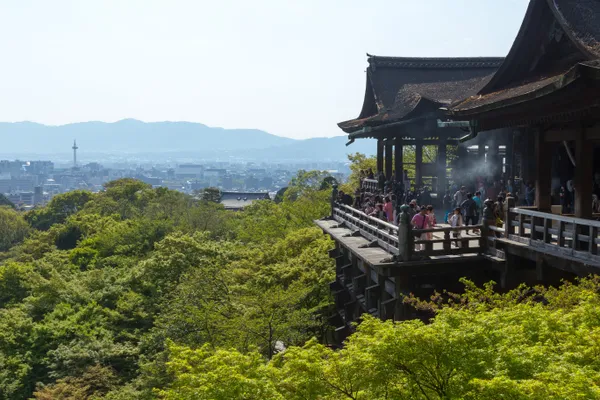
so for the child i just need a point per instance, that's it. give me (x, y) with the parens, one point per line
(432, 221)
(456, 220)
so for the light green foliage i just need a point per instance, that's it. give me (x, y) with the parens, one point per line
(358, 162)
(92, 287)
(218, 375)
(482, 346)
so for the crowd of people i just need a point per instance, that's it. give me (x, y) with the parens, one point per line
(462, 206)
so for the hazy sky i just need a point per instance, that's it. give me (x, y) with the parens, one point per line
(292, 68)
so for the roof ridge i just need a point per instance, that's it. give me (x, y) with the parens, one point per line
(435, 62)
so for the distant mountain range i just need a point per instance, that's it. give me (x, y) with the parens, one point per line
(130, 136)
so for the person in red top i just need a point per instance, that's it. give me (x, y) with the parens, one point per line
(421, 221)
(389, 209)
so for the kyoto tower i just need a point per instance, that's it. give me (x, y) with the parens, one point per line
(74, 153)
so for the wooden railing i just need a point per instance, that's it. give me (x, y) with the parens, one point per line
(385, 235)
(371, 185)
(449, 244)
(374, 229)
(554, 234)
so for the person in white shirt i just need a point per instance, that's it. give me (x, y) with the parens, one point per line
(456, 220)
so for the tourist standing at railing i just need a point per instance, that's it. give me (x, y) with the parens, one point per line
(388, 207)
(421, 221)
(432, 221)
(499, 211)
(477, 199)
(447, 204)
(370, 174)
(345, 198)
(378, 212)
(530, 194)
(460, 196)
(469, 208)
(456, 221)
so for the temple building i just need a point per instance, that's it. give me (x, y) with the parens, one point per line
(402, 107)
(533, 116)
(548, 90)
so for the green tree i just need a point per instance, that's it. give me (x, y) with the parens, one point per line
(4, 201)
(58, 209)
(94, 383)
(210, 194)
(13, 228)
(221, 375)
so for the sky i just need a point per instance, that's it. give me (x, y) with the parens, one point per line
(291, 68)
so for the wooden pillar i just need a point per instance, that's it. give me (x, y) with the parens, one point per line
(584, 176)
(528, 163)
(509, 155)
(398, 159)
(388, 158)
(481, 150)
(441, 168)
(543, 173)
(419, 164)
(494, 160)
(379, 155)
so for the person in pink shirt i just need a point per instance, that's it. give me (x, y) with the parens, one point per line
(432, 221)
(421, 221)
(389, 209)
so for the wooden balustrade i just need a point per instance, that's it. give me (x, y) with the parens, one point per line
(374, 229)
(370, 185)
(555, 234)
(385, 235)
(463, 244)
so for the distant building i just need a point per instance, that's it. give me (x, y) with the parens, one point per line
(189, 171)
(38, 195)
(238, 200)
(214, 175)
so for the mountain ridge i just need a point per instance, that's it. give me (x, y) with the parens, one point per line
(132, 136)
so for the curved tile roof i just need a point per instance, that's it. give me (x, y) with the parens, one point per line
(555, 37)
(581, 21)
(396, 86)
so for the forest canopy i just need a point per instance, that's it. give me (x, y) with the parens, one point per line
(146, 293)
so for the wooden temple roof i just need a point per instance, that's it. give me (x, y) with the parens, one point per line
(403, 88)
(551, 73)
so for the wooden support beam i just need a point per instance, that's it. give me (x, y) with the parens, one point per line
(584, 176)
(419, 164)
(379, 155)
(543, 173)
(560, 135)
(441, 169)
(398, 159)
(388, 158)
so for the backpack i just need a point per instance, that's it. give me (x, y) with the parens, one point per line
(469, 206)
